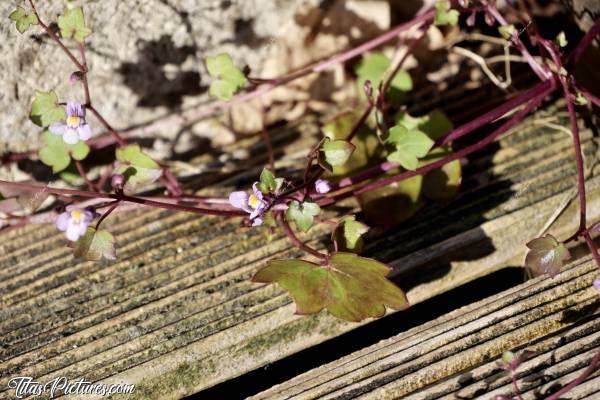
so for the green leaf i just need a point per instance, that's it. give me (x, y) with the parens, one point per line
(269, 220)
(404, 158)
(268, 182)
(409, 122)
(348, 234)
(581, 100)
(334, 153)
(137, 168)
(435, 125)
(443, 183)
(367, 144)
(45, 109)
(57, 154)
(72, 25)
(561, 39)
(388, 205)
(410, 146)
(219, 65)
(95, 245)
(444, 15)
(506, 31)
(23, 20)
(223, 90)
(392, 204)
(508, 357)
(79, 150)
(350, 287)
(302, 214)
(373, 67)
(415, 142)
(546, 255)
(229, 78)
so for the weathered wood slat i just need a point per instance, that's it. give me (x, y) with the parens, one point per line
(177, 314)
(456, 356)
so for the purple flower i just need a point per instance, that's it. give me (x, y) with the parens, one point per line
(597, 285)
(322, 186)
(74, 128)
(253, 203)
(74, 221)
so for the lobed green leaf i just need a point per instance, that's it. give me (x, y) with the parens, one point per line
(506, 31)
(444, 15)
(57, 154)
(45, 109)
(410, 146)
(350, 287)
(334, 153)
(229, 78)
(95, 245)
(72, 25)
(349, 234)
(137, 167)
(268, 183)
(302, 214)
(22, 20)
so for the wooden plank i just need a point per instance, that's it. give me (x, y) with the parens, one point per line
(177, 314)
(456, 356)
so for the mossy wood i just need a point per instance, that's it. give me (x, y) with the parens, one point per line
(177, 312)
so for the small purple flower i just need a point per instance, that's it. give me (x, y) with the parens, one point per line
(597, 285)
(74, 221)
(322, 186)
(253, 203)
(75, 128)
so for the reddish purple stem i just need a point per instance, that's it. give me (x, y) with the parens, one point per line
(588, 371)
(131, 199)
(540, 89)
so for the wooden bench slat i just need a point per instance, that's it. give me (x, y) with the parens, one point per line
(177, 314)
(456, 355)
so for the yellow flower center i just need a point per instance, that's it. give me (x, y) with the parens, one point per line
(73, 121)
(253, 201)
(76, 215)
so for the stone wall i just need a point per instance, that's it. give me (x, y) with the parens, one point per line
(145, 56)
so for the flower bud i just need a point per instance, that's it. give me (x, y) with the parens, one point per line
(368, 88)
(76, 76)
(322, 186)
(471, 19)
(117, 182)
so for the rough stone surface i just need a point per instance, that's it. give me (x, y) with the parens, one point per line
(146, 56)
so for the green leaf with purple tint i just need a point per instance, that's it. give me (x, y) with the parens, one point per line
(302, 214)
(137, 167)
(95, 245)
(350, 287)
